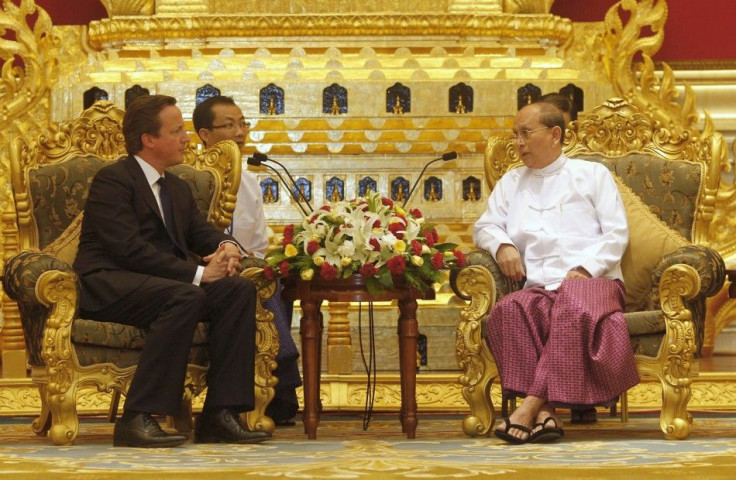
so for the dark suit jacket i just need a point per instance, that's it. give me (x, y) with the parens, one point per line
(123, 233)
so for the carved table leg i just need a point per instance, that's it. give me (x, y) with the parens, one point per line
(408, 333)
(311, 333)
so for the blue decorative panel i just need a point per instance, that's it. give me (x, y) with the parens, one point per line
(576, 96)
(134, 92)
(334, 100)
(92, 95)
(433, 189)
(527, 94)
(398, 99)
(303, 189)
(366, 185)
(270, 190)
(271, 100)
(205, 92)
(471, 189)
(461, 98)
(399, 189)
(335, 190)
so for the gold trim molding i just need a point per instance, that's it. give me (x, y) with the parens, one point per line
(440, 393)
(119, 31)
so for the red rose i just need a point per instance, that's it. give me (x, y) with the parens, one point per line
(268, 273)
(396, 265)
(313, 218)
(415, 213)
(326, 208)
(416, 248)
(436, 235)
(377, 224)
(284, 268)
(374, 243)
(312, 247)
(288, 234)
(388, 202)
(461, 260)
(396, 229)
(328, 271)
(438, 260)
(430, 238)
(368, 270)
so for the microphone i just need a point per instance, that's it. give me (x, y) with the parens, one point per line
(262, 157)
(447, 156)
(257, 161)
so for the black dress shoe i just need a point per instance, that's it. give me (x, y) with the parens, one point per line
(224, 426)
(142, 430)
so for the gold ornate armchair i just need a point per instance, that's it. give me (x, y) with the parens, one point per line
(67, 354)
(664, 181)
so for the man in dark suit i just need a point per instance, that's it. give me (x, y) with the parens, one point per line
(147, 257)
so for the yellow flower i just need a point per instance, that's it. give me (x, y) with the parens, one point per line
(346, 261)
(417, 260)
(307, 274)
(425, 248)
(318, 260)
(400, 246)
(399, 210)
(290, 251)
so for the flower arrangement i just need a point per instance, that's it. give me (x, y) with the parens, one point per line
(370, 236)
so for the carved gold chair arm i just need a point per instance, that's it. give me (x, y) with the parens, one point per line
(39, 282)
(267, 347)
(711, 272)
(475, 283)
(502, 284)
(679, 284)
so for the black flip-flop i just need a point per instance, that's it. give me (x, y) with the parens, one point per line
(503, 433)
(546, 434)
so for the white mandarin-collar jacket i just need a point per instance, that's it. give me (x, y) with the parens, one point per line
(566, 215)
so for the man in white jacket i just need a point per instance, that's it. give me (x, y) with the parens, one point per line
(559, 224)
(219, 118)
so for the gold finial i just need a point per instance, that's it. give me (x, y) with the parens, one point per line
(271, 106)
(335, 106)
(460, 107)
(472, 196)
(398, 109)
(432, 193)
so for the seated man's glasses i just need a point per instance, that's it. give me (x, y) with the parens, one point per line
(523, 135)
(232, 125)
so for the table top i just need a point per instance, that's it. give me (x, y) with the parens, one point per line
(351, 289)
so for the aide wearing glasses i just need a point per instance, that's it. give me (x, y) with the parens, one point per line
(559, 225)
(216, 119)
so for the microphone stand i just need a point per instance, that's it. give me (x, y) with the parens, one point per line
(257, 163)
(445, 157)
(263, 158)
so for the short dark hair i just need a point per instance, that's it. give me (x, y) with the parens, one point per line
(142, 117)
(560, 101)
(203, 117)
(551, 116)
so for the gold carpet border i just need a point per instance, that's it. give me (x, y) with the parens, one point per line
(130, 30)
(435, 393)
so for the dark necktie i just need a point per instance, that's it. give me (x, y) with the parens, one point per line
(167, 208)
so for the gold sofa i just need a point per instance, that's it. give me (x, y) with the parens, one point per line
(665, 182)
(68, 354)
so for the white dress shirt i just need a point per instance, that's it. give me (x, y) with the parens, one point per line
(249, 221)
(566, 215)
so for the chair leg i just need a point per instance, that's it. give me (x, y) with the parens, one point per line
(64, 419)
(42, 423)
(112, 412)
(183, 421)
(624, 407)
